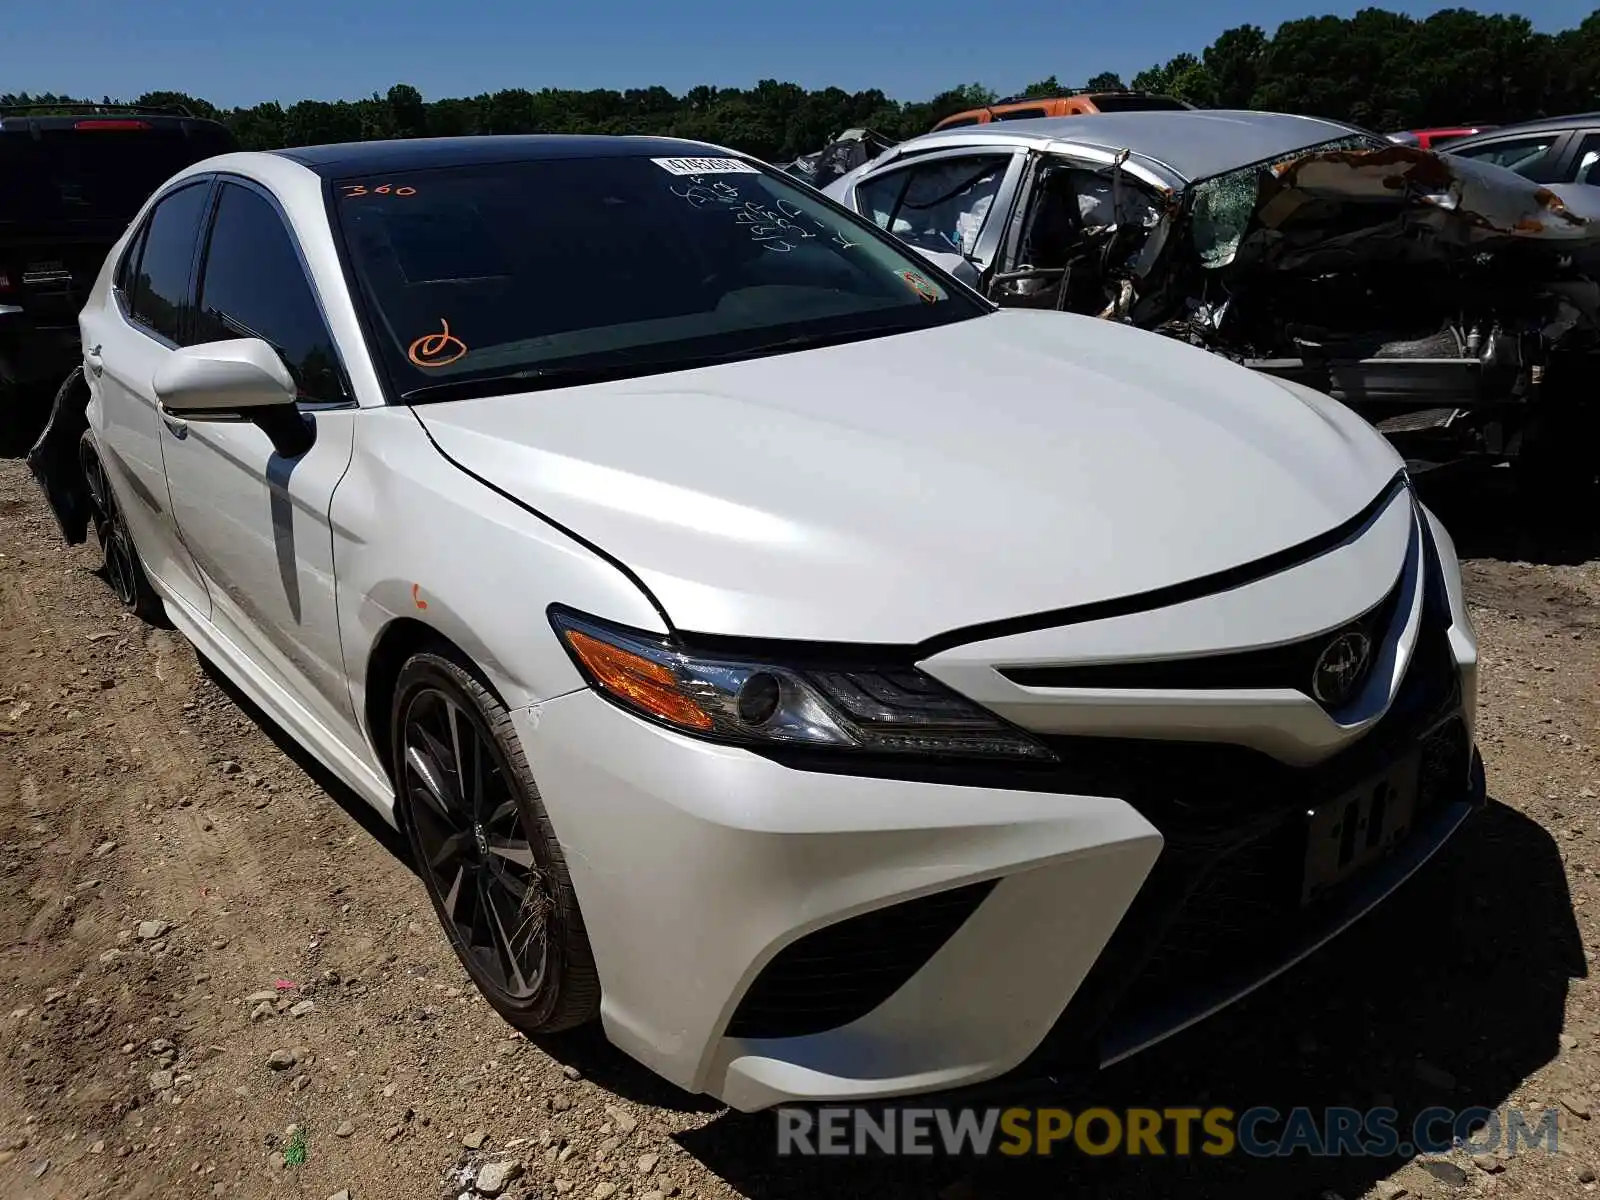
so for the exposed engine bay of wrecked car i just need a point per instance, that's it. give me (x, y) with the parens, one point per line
(1438, 295)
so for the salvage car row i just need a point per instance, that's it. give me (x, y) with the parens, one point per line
(832, 681)
(1450, 300)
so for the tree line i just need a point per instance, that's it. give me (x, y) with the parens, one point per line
(1378, 69)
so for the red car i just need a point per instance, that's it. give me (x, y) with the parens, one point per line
(1432, 139)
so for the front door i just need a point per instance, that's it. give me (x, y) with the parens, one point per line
(256, 522)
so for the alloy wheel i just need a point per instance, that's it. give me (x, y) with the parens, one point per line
(115, 544)
(477, 855)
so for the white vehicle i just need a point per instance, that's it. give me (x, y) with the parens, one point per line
(834, 684)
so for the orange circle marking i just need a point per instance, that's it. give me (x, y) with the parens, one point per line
(921, 286)
(437, 349)
(416, 599)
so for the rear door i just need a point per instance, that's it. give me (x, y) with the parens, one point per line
(146, 316)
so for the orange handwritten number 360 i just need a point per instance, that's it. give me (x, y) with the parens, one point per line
(437, 349)
(353, 190)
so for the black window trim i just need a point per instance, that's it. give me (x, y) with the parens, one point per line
(186, 309)
(223, 179)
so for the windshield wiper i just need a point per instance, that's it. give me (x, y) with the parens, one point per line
(531, 379)
(535, 379)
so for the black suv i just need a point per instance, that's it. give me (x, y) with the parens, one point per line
(71, 178)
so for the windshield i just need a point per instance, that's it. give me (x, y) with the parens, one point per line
(1224, 204)
(572, 267)
(58, 175)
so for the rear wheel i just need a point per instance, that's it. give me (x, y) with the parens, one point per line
(485, 849)
(123, 570)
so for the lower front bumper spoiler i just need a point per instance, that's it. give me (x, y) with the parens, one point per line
(1123, 1041)
(1385, 879)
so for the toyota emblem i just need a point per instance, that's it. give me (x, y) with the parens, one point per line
(1341, 668)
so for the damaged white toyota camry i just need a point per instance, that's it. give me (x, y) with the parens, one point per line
(836, 685)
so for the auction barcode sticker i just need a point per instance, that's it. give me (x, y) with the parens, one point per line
(705, 166)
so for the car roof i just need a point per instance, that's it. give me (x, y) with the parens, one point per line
(1196, 144)
(417, 154)
(1547, 125)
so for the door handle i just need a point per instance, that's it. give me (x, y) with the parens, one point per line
(96, 363)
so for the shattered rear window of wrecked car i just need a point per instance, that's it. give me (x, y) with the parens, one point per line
(1224, 204)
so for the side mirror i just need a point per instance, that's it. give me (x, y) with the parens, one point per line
(238, 380)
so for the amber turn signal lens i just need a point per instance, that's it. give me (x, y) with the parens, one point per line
(644, 684)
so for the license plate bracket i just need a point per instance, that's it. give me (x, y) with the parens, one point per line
(1359, 827)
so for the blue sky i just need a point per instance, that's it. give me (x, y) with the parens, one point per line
(342, 49)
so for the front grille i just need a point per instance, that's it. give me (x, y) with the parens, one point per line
(843, 971)
(1248, 902)
(1223, 900)
(1291, 666)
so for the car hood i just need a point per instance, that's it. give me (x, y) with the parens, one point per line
(894, 489)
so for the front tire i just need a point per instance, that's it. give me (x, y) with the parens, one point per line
(484, 847)
(123, 570)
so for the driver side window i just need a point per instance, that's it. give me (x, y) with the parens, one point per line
(253, 285)
(940, 206)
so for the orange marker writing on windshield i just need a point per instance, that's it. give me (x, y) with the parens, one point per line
(437, 349)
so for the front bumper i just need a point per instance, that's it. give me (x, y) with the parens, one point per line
(696, 864)
(771, 934)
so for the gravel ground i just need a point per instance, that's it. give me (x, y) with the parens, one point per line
(220, 978)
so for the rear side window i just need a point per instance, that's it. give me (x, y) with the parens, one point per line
(940, 206)
(128, 268)
(1109, 104)
(161, 289)
(254, 285)
(1521, 155)
(1020, 114)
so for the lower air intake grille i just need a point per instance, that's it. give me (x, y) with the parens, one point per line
(844, 971)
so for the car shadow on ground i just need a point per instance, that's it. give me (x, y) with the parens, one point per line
(1488, 518)
(362, 813)
(1449, 994)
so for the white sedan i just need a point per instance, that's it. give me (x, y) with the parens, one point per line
(837, 686)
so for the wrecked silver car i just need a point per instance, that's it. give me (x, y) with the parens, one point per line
(1453, 303)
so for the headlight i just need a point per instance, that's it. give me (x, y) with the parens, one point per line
(891, 709)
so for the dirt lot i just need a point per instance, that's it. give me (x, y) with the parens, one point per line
(165, 857)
